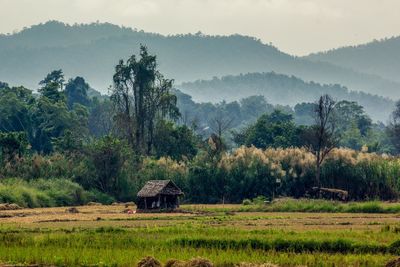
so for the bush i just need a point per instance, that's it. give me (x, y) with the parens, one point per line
(246, 202)
(394, 248)
(260, 200)
(101, 197)
(47, 193)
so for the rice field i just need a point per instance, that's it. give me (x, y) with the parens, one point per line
(109, 236)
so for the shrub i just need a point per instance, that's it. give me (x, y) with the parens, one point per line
(101, 197)
(46, 193)
(246, 202)
(149, 262)
(394, 248)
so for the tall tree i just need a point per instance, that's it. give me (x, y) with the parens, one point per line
(3, 85)
(177, 142)
(76, 91)
(141, 96)
(55, 125)
(393, 129)
(221, 123)
(15, 109)
(324, 135)
(270, 130)
(53, 85)
(12, 144)
(350, 113)
(100, 121)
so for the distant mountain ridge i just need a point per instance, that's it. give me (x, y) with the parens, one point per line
(282, 89)
(377, 58)
(92, 51)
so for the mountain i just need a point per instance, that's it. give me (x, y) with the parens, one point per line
(283, 90)
(380, 58)
(92, 51)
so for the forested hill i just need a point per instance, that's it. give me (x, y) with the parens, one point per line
(93, 50)
(282, 89)
(378, 57)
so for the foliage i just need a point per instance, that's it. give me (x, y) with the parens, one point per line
(52, 86)
(112, 145)
(12, 144)
(107, 156)
(44, 193)
(175, 141)
(271, 130)
(284, 90)
(200, 236)
(141, 96)
(76, 92)
(90, 50)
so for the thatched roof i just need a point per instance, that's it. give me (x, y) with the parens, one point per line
(156, 187)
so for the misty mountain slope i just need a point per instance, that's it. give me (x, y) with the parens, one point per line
(378, 57)
(282, 89)
(93, 50)
(56, 34)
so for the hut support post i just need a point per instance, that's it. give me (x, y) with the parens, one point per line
(145, 203)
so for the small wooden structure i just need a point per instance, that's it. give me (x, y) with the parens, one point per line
(158, 195)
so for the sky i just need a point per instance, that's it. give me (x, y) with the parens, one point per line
(297, 27)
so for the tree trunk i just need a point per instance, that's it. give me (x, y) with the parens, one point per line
(151, 137)
(318, 173)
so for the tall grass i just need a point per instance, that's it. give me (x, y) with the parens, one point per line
(296, 246)
(302, 205)
(46, 193)
(124, 247)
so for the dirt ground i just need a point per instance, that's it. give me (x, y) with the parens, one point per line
(122, 216)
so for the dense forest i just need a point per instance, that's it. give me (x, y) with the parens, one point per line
(67, 144)
(283, 90)
(383, 53)
(91, 51)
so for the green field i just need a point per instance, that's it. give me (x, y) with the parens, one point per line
(105, 236)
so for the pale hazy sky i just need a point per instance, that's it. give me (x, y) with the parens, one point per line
(294, 26)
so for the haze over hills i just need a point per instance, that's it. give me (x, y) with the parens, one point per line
(93, 50)
(380, 58)
(282, 89)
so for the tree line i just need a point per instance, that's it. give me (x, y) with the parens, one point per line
(111, 145)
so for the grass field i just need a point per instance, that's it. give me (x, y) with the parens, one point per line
(224, 234)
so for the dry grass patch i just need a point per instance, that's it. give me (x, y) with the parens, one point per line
(7, 206)
(393, 263)
(149, 262)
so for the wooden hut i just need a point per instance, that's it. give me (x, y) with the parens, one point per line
(158, 195)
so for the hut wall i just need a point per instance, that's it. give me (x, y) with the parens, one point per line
(158, 202)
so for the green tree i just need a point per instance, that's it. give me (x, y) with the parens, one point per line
(253, 106)
(393, 129)
(352, 114)
(55, 125)
(270, 130)
(304, 113)
(177, 142)
(73, 137)
(141, 96)
(3, 85)
(108, 156)
(51, 120)
(76, 91)
(100, 121)
(15, 110)
(53, 85)
(352, 137)
(12, 144)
